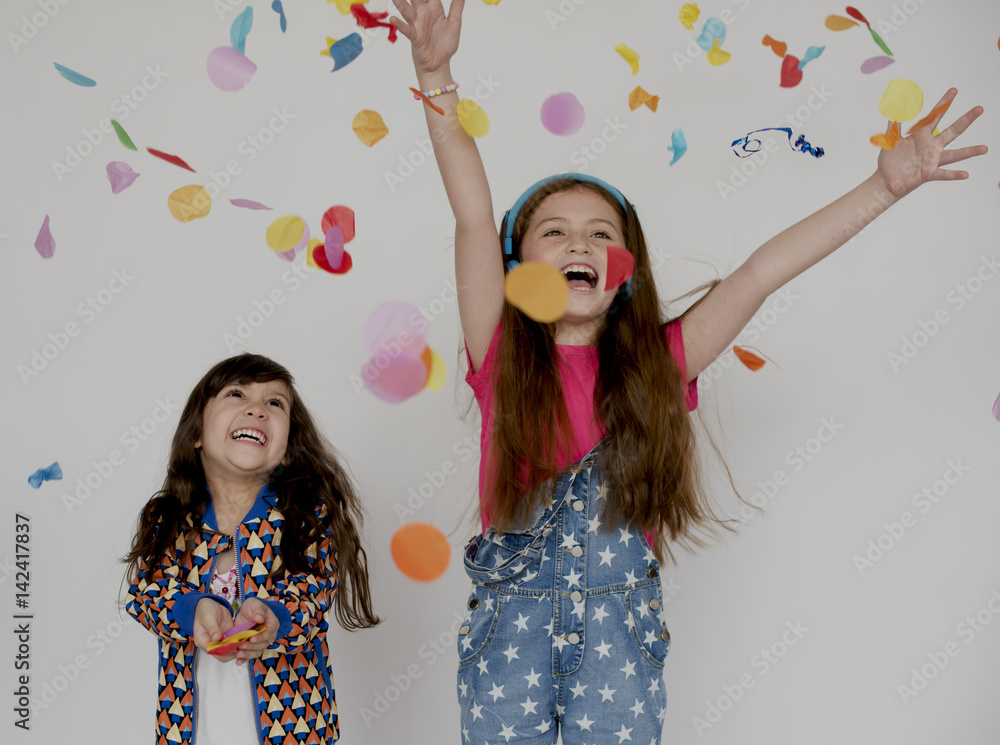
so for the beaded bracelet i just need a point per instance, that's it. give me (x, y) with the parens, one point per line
(437, 91)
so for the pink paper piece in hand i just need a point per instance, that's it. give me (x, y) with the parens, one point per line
(334, 247)
(229, 69)
(248, 204)
(395, 325)
(562, 114)
(874, 64)
(45, 244)
(621, 263)
(121, 175)
(395, 378)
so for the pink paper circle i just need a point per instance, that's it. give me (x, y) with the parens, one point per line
(874, 64)
(334, 246)
(229, 69)
(395, 377)
(562, 114)
(395, 326)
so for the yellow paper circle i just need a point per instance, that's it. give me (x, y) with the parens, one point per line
(540, 291)
(189, 202)
(689, 13)
(369, 127)
(901, 101)
(285, 233)
(313, 243)
(472, 118)
(436, 371)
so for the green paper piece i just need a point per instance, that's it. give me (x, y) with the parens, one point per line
(123, 137)
(878, 40)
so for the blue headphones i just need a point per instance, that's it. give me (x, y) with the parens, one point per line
(510, 217)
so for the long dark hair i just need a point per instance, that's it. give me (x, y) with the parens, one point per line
(311, 477)
(650, 459)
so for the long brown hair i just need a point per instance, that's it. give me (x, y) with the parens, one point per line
(639, 396)
(312, 477)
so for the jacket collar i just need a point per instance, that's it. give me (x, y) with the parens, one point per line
(267, 499)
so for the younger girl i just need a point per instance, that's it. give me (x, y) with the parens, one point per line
(256, 522)
(588, 454)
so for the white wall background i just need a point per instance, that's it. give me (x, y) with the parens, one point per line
(899, 428)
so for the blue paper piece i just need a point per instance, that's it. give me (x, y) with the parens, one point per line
(239, 30)
(712, 30)
(811, 54)
(345, 50)
(800, 144)
(277, 8)
(74, 77)
(678, 144)
(52, 473)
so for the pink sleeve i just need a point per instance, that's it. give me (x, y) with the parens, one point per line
(675, 342)
(478, 378)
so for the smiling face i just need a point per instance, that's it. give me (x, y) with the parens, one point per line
(571, 230)
(244, 434)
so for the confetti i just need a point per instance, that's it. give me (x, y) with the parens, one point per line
(45, 244)
(856, 14)
(277, 7)
(170, 158)
(874, 64)
(395, 377)
(926, 121)
(901, 101)
(369, 127)
(473, 119)
(345, 51)
(189, 202)
(437, 373)
(688, 14)
(791, 73)
(248, 204)
(778, 47)
(236, 636)
(492, 2)
(540, 291)
(74, 77)
(678, 144)
(996, 409)
(316, 258)
(342, 217)
(562, 114)
(839, 23)
(52, 473)
(420, 551)
(229, 69)
(752, 361)
(639, 97)
(419, 95)
(887, 141)
(287, 233)
(630, 56)
(621, 263)
(123, 137)
(333, 247)
(713, 30)
(717, 56)
(121, 175)
(240, 28)
(811, 54)
(800, 144)
(344, 6)
(367, 19)
(394, 325)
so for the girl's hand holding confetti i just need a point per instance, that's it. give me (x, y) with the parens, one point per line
(920, 157)
(253, 610)
(433, 36)
(211, 623)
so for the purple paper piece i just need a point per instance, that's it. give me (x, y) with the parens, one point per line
(395, 325)
(229, 69)
(334, 246)
(287, 255)
(45, 244)
(395, 378)
(996, 409)
(874, 64)
(248, 204)
(121, 175)
(562, 114)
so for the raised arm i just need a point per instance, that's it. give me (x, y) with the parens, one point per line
(712, 325)
(478, 262)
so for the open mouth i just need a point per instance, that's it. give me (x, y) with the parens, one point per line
(580, 276)
(254, 435)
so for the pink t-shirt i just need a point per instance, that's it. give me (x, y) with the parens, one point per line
(578, 367)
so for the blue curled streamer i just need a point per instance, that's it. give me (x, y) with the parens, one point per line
(51, 473)
(800, 144)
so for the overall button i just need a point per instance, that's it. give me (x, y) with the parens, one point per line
(573, 638)
(651, 572)
(465, 630)
(665, 636)
(654, 604)
(578, 506)
(576, 551)
(576, 596)
(474, 603)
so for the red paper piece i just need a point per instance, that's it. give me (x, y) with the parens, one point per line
(926, 121)
(791, 75)
(778, 47)
(856, 15)
(319, 257)
(752, 361)
(342, 217)
(620, 265)
(170, 159)
(371, 20)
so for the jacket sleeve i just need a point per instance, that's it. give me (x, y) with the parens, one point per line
(164, 601)
(301, 600)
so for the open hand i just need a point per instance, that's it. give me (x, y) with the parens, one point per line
(433, 36)
(257, 612)
(919, 158)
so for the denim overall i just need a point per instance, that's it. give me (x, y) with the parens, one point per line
(564, 629)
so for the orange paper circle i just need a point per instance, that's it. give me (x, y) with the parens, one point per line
(420, 551)
(189, 202)
(540, 291)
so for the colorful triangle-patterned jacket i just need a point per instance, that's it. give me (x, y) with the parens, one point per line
(292, 686)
